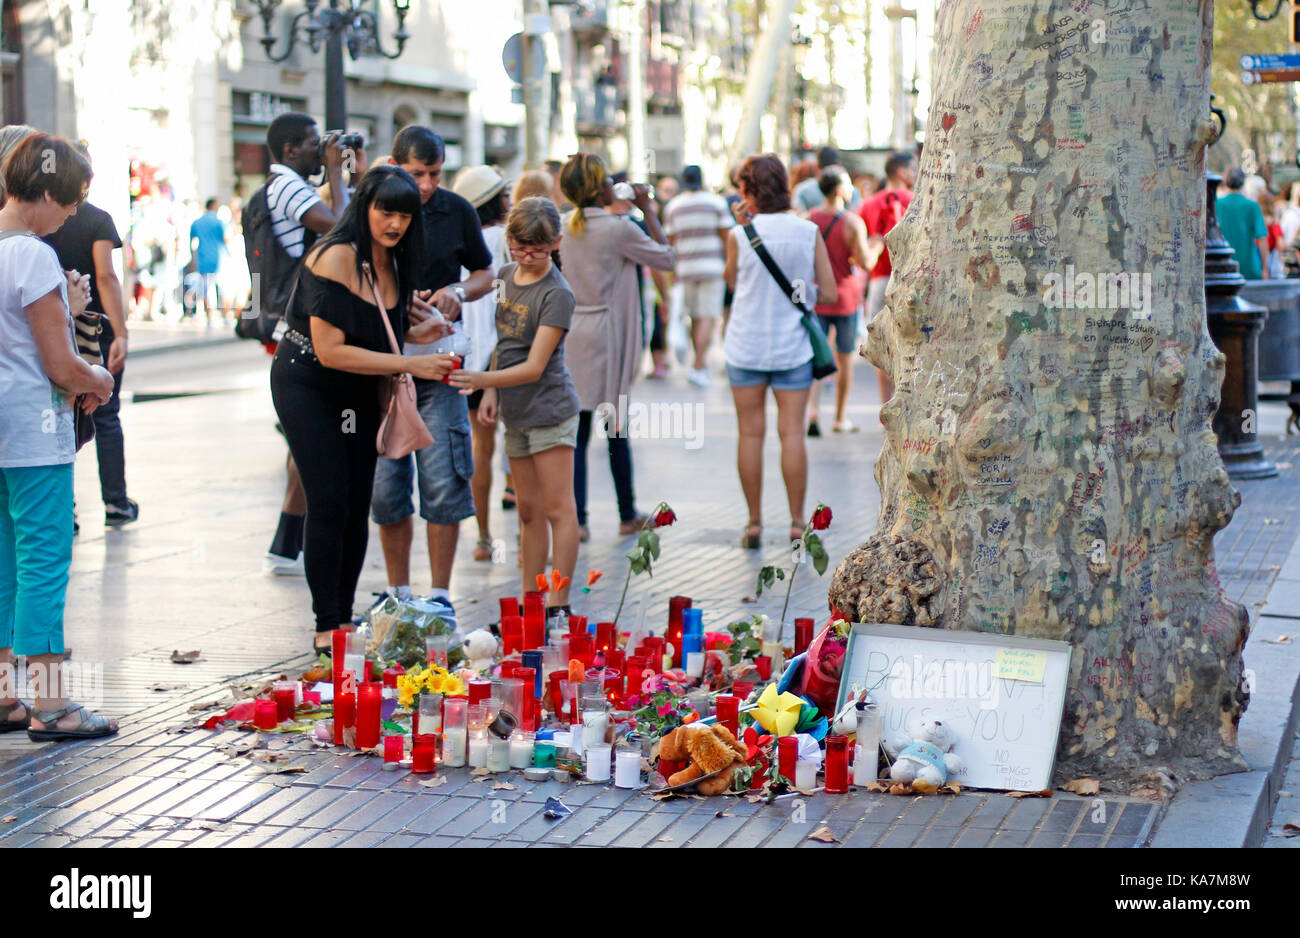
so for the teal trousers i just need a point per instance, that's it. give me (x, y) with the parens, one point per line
(35, 552)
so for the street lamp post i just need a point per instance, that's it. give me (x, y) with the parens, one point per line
(342, 23)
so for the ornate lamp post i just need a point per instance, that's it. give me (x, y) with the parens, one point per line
(342, 22)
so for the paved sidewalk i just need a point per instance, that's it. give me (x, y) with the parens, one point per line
(209, 470)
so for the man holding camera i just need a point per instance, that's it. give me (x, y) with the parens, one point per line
(298, 215)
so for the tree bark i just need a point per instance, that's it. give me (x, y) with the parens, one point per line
(1049, 468)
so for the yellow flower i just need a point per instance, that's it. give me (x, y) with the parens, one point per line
(434, 683)
(406, 690)
(452, 686)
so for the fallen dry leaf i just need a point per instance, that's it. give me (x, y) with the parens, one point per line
(212, 825)
(952, 787)
(1083, 786)
(284, 769)
(876, 786)
(1280, 640)
(434, 782)
(1148, 793)
(755, 799)
(164, 688)
(480, 771)
(663, 796)
(1288, 830)
(898, 788)
(748, 599)
(185, 657)
(824, 834)
(8, 819)
(697, 797)
(665, 839)
(1045, 793)
(267, 756)
(503, 786)
(207, 705)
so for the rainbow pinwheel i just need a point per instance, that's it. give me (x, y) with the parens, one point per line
(778, 713)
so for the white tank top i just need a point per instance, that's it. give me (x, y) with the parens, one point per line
(765, 332)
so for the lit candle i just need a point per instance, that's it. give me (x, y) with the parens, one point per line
(597, 758)
(369, 698)
(803, 633)
(773, 651)
(435, 650)
(356, 663)
(428, 721)
(521, 750)
(729, 713)
(285, 693)
(394, 748)
(635, 669)
(478, 749)
(265, 715)
(595, 723)
(532, 660)
(605, 637)
(837, 765)
(805, 774)
(424, 754)
(676, 605)
(627, 768)
(498, 756)
(453, 746)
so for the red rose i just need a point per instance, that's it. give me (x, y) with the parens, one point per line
(665, 518)
(821, 519)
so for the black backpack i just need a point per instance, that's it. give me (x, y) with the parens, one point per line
(271, 269)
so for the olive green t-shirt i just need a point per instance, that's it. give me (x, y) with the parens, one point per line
(551, 399)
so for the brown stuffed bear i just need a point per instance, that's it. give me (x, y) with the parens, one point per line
(710, 749)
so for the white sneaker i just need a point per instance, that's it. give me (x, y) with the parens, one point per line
(700, 378)
(275, 565)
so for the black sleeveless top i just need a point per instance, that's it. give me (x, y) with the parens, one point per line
(340, 307)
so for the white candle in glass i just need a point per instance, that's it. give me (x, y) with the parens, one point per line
(805, 774)
(627, 768)
(594, 725)
(498, 759)
(576, 732)
(867, 755)
(356, 664)
(521, 750)
(695, 664)
(598, 763)
(453, 746)
(478, 750)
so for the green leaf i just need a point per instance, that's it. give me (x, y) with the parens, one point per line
(820, 562)
(643, 539)
(653, 540)
(395, 729)
(636, 565)
(812, 543)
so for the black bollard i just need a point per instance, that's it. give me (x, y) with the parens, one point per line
(1235, 326)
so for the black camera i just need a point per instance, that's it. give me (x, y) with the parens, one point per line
(346, 140)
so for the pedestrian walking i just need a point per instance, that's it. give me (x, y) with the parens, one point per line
(44, 379)
(531, 389)
(881, 213)
(208, 246)
(453, 241)
(484, 189)
(845, 235)
(1243, 226)
(599, 254)
(698, 223)
(766, 343)
(807, 194)
(289, 209)
(85, 243)
(325, 378)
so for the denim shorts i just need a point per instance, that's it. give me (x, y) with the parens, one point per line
(444, 469)
(799, 378)
(846, 331)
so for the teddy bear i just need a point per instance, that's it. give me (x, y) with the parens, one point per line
(925, 762)
(710, 748)
(480, 647)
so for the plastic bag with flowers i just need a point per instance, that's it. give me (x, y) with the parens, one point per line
(400, 626)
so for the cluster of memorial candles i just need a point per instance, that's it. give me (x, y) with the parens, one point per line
(497, 724)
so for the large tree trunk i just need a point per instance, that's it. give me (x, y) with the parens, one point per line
(1049, 468)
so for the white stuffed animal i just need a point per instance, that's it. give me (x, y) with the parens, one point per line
(480, 648)
(926, 758)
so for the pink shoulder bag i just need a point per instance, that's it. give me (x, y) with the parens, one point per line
(402, 430)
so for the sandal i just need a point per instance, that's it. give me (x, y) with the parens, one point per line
(752, 539)
(327, 649)
(584, 534)
(508, 500)
(796, 532)
(484, 549)
(92, 726)
(10, 725)
(628, 528)
(845, 426)
(814, 428)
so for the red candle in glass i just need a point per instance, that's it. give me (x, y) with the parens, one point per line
(311, 697)
(479, 690)
(656, 659)
(534, 632)
(284, 703)
(787, 748)
(534, 624)
(803, 634)
(508, 668)
(635, 669)
(553, 688)
(392, 674)
(764, 665)
(605, 636)
(264, 715)
(535, 598)
(529, 677)
(512, 635)
(339, 640)
(674, 634)
(729, 713)
(613, 685)
(394, 748)
(509, 606)
(837, 765)
(615, 659)
(345, 715)
(369, 697)
(577, 625)
(743, 689)
(423, 754)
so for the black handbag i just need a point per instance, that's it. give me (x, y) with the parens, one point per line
(823, 356)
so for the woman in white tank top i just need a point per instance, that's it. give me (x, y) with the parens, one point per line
(765, 342)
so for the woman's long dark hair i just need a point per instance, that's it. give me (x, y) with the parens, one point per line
(392, 189)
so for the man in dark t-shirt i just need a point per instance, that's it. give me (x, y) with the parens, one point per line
(85, 243)
(453, 238)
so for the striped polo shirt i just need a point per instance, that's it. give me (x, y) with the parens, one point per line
(289, 196)
(695, 217)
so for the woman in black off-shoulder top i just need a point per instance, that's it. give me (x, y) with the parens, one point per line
(328, 373)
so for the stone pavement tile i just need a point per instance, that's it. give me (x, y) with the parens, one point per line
(921, 809)
(1011, 837)
(608, 830)
(180, 838)
(364, 839)
(866, 835)
(52, 840)
(441, 811)
(260, 811)
(1132, 820)
(717, 830)
(623, 799)
(386, 813)
(992, 812)
(177, 794)
(362, 768)
(323, 812)
(903, 835)
(128, 801)
(687, 826)
(1085, 840)
(958, 809)
(228, 808)
(92, 843)
(1028, 812)
(938, 836)
(648, 826)
(224, 836)
(326, 771)
(76, 823)
(141, 838)
(975, 837)
(294, 836)
(754, 832)
(249, 835)
(114, 789)
(1061, 819)
(330, 838)
(466, 816)
(403, 841)
(815, 810)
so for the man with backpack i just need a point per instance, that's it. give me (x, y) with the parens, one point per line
(882, 212)
(281, 222)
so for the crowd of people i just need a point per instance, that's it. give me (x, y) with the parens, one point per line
(1261, 225)
(410, 322)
